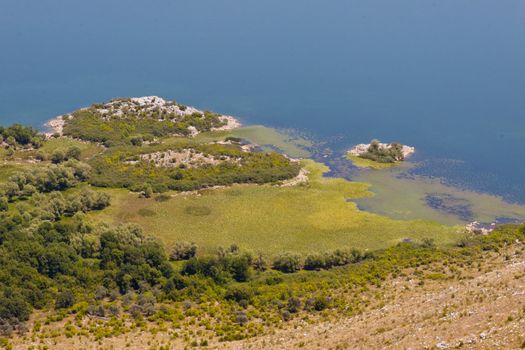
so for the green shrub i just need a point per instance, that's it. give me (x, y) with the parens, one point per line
(294, 305)
(57, 156)
(73, 153)
(183, 251)
(238, 293)
(65, 300)
(287, 262)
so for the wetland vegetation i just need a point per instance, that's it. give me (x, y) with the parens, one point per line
(166, 222)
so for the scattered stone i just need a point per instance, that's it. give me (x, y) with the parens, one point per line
(479, 228)
(483, 335)
(442, 345)
(187, 157)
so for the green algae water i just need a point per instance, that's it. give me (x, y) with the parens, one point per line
(444, 76)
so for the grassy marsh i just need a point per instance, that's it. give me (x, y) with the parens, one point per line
(367, 163)
(319, 216)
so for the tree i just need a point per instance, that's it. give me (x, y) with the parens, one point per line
(80, 170)
(57, 156)
(259, 263)
(65, 300)
(11, 190)
(136, 141)
(294, 305)
(374, 146)
(148, 191)
(241, 318)
(183, 251)
(13, 306)
(239, 267)
(73, 153)
(3, 203)
(28, 190)
(11, 141)
(40, 156)
(396, 151)
(287, 262)
(314, 262)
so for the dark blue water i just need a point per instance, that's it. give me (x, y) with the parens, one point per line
(447, 76)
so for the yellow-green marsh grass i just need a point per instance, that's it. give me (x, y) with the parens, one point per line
(367, 163)
(319, 216)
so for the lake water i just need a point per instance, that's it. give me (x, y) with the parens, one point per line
(445, 76)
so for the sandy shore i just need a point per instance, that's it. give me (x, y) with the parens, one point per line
(301, 178)
(54, 126)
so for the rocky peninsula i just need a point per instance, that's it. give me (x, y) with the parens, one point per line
(148, 108)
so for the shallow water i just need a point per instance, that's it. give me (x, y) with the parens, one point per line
(445, 76)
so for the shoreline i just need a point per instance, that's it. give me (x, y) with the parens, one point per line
(54, 126)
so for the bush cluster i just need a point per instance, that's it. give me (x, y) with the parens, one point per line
(112, 169)
(18, 135)
(135, 127)
(221, 268)
(45, 179)
(59, 156)
(338, 257)
(183, 251)
(290, 262)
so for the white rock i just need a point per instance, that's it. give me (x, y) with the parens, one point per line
(442, 345)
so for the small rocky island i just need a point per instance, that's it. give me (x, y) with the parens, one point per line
(379, 155)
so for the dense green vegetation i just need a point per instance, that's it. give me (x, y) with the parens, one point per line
(24, 184)
(134, 127)
(18, 135)
(131, 130)
(383, 155)
(123, 167)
